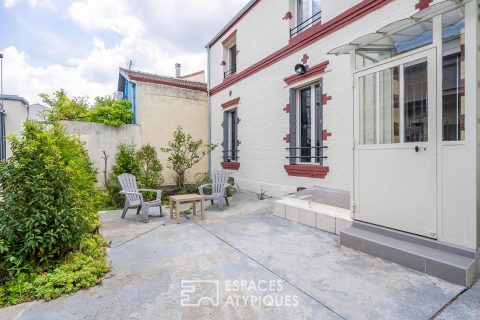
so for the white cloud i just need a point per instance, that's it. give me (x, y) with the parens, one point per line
(33, 3)
(154, 34)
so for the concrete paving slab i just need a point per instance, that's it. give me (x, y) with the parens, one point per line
(355, 285)
(466, 307)
(242, 243)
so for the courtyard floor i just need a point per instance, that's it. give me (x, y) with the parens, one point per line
(251, 265)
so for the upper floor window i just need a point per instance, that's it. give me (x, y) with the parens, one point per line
(231, 60)
(308, 13)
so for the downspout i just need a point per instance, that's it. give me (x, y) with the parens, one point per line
(209, 110)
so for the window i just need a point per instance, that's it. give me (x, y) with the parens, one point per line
(230, 136)
(231, 60)
(453, 87)
(308, 13)
(306, 126)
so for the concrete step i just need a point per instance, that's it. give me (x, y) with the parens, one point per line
(450, 263)
(316, 215)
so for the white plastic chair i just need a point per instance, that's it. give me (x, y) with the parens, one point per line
(219, 188)
(134, 197)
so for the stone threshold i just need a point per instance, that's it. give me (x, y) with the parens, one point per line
(316, 215)
(450, 263)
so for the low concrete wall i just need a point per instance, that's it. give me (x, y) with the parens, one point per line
(99, 137)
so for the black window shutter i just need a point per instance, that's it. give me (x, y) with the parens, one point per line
(293, 126)
(319, 123)
(225, 136)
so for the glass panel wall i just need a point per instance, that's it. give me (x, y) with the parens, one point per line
(368, 106)
(453, 85)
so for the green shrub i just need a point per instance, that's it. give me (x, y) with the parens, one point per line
(63, 107)
(185, 152)
(125, 162)
(80, 269)
(111, 112)
(150, 173)
(48, 197)
(106, 110)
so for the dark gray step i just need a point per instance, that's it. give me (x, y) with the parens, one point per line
(434, 261)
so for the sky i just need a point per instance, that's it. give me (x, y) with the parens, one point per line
(79, 45)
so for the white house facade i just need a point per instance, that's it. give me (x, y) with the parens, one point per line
(374, 99)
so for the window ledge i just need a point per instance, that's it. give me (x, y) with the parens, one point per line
(305, 170)
(231, 165)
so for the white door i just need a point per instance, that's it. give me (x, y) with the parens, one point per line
(395, 144)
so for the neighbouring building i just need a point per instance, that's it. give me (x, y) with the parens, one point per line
(16, 110)
(373, 106)
(162, 103)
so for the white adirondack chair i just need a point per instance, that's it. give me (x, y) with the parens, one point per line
(219, 188)
(134, 197)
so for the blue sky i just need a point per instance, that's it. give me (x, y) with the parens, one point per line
(78, 45)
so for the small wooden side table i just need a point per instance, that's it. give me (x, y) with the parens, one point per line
(186, 198)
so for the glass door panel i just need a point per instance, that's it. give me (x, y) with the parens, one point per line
(416, 102)
(389, 106)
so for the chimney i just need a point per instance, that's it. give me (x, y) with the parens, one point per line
(178, 66)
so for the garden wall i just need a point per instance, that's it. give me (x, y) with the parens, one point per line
(99, 137)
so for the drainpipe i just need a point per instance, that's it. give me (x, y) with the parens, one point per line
(209, 111)
(1, 82)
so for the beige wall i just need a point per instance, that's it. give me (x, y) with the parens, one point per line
(161, 109)
(99, 137)
(15, 115)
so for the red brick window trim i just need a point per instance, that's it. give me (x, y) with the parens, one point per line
(231, 165)
(308, 171)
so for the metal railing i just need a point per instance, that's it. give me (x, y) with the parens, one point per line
(233, 155)
(318, 149)
(305, 24)
(230, 72)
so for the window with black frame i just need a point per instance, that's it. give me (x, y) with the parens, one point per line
(306, 125)
(230, 136)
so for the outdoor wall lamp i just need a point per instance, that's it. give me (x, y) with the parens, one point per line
(300, 69)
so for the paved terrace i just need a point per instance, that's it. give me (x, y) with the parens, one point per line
(315, 277)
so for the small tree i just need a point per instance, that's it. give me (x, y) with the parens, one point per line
(150, 176)
(125, 162)
(63, 107)
(184, 153)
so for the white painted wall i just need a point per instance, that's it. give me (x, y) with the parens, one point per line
(15, 115)
(264, 124)
(99, 137)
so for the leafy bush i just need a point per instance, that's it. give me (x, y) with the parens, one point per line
(184, 153)
(150, 175)
(48, 197)
(48, 218)
(114, 114)
(106, 110)
(80, 269)
(125, 162)
(143, 164)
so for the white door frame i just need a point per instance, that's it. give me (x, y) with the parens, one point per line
(428, 52)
